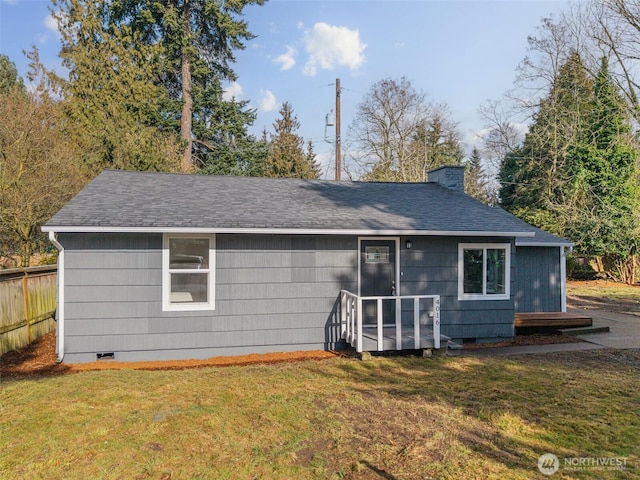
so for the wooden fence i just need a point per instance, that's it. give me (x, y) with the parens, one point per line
(27, 305)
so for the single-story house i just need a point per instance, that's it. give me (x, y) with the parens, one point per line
(157, 266)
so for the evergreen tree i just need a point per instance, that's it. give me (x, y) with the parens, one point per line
(576, 173)
(533, 177)
(287, 157)
(605, 183)
(476, 182)
(222, 144)
(9, 77)
(198, 39)
(111, 99)
(234, 151)
(436, 143)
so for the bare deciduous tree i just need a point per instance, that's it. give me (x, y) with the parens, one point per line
(398, 135)
(39, 168)
(615, 27)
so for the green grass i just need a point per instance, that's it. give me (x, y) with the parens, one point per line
(393, 418)
(621, 294)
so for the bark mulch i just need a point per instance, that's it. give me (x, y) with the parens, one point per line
(39, 359)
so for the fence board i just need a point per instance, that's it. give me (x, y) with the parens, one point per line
(40, 304)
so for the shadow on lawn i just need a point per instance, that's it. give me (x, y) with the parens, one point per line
(507, 411)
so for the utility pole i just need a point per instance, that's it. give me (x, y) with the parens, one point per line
(338, 139)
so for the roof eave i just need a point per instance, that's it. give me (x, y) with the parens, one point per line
(544, 244)
(282, 231)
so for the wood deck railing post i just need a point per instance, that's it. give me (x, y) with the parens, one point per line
(353, 315)
(436, 321)
(398, 324)
(359, 326)
(351, 318)
(416, 323)
(343, 314)
(379, 325)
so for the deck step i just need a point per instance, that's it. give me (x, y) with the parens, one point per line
(584, 330)
(552, 319)
(453, 349)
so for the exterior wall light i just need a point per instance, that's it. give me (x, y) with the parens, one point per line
(408, 244)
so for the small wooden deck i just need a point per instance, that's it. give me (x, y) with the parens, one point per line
(552, 319)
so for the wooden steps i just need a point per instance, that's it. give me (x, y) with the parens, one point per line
(552, 319)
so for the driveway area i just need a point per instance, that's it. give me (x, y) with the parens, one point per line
(624, 329)
(624, 333)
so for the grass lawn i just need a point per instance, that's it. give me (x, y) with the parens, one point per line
(607, 295)
(389, 418)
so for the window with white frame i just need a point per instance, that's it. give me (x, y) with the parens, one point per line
(188, 272)
(484, 271)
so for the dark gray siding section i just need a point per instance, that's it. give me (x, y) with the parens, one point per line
(430, 267)
(273, 293)
(538, 282)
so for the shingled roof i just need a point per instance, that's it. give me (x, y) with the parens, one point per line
(160, 202)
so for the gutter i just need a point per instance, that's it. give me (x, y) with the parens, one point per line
(286, 231)
(564, 251)
(60, 326)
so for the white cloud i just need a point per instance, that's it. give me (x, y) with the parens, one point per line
(399, 45)
(268, 102)
(233, 90)
(51, 23)
(332, 46)
(287, 59)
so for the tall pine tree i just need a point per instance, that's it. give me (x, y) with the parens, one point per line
(199, 38)
(604, 173)
(287, 156)
(476, 181)
(533, 177)
(576, 173)
(111, 99)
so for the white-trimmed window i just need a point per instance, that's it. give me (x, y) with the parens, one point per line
(188, 268)
(484, 271)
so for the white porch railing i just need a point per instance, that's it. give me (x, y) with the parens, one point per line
(351, 320)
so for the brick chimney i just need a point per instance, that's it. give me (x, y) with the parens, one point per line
(449, 176)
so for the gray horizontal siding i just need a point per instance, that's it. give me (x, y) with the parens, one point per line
(430, 267)
(78, 293)
(132, 277)
(538, 285)
(122, 259)
(115, 326)
(273, 292)
(192, 353)
(191, 340)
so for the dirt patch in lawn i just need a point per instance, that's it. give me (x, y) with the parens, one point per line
(532, 339)
(39, 359)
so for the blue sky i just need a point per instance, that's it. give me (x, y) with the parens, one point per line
(460, 52)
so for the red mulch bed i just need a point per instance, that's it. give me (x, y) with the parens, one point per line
(39, 359)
